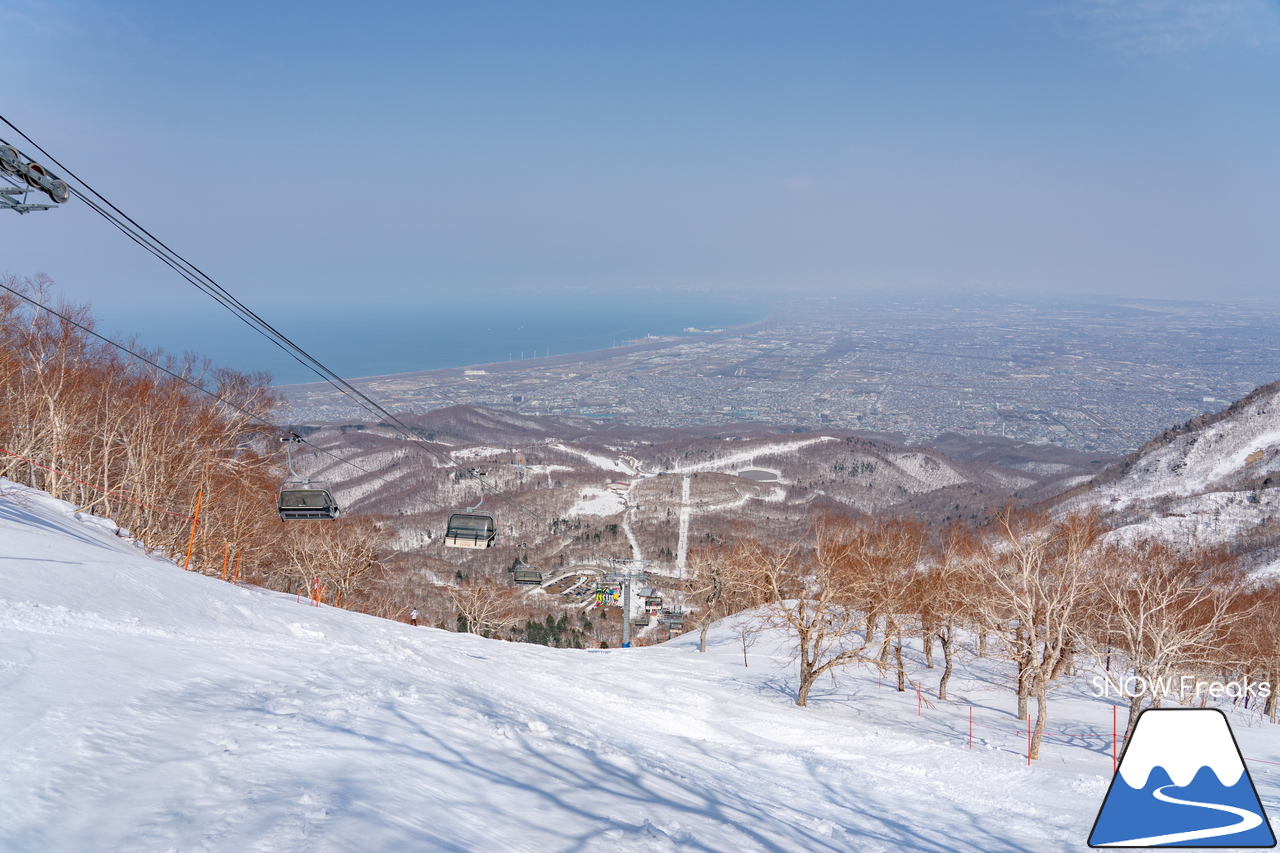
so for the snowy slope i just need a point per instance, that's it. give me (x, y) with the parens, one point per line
(147, 709)
(1222, 453)
(1213, 481)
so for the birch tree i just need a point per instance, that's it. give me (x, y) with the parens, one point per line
(1034, 577)
(1163, 610)
(812, 592)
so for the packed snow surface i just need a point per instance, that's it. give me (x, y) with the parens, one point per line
(748, 456)
(593, 501)
(597, 460)
(481, 452)
(148, 709)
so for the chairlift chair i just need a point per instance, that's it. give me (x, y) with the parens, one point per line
(306, 501)
(471, 529)
(474, 528)
(302, 499)
(524, 573)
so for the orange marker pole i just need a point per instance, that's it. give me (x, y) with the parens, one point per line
(238, 554)
(226, 559)
(191, 543)
(1028, 740)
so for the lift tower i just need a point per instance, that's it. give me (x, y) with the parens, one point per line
(624, 572)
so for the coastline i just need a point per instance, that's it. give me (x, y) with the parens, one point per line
(542, 362)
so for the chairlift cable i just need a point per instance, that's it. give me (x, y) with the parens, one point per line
(259, 421)
(205, 283)
(209, 286)
(263, 328)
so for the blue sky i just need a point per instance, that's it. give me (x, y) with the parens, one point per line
(319, 155)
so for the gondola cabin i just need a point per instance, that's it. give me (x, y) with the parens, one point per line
(306, 502)
(527, 576)
(470, 530)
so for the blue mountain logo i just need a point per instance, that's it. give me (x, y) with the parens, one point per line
(1182, 783)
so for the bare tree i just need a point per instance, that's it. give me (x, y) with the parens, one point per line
(707, 588)
(343, 556)
(485, 607)
(747, 630)
(1162, 608)
(947, 591)
(1034, 577)
(717, 586)
(1255, 639)
(811, 593)
(885, 557)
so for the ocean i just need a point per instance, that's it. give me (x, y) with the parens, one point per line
(356, 341)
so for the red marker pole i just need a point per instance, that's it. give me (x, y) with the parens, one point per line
(1028, 741)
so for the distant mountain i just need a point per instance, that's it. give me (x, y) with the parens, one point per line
(574, 490)
(1211, 480)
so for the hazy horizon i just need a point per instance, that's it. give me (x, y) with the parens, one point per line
(364, 340)
(415, 155)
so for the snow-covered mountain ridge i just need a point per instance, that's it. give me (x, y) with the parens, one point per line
(1211, 481)
(1236, 449)
(150, 709)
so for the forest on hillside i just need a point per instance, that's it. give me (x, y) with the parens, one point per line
(1052, 599)
(145, 438)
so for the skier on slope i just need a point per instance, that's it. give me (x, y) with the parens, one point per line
(413, 616)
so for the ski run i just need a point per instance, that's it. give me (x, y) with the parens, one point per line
(148, 709)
